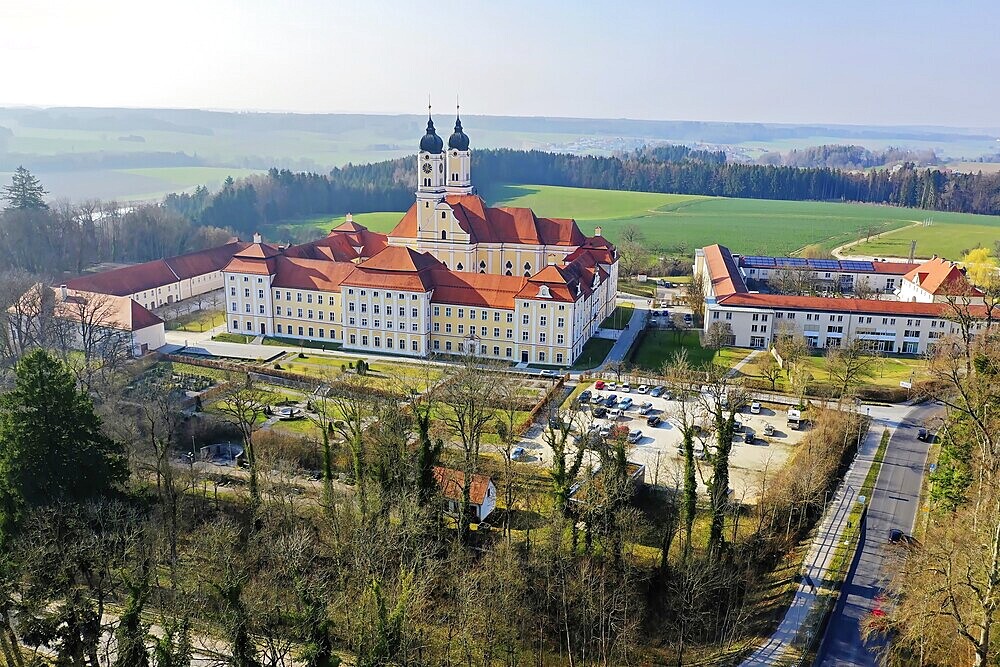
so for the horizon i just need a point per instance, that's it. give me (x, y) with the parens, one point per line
(782, 64)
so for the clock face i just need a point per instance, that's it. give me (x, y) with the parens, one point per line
(427, 167)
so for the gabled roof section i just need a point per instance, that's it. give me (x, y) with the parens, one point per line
(126, 280)
(941, 277)
(486, 224)
(258, 251)
(452, 482)
(310, 274)
(486, 290)
(396, 267)
(401, 258)
(725, 277)
(97, 309)
(204, 261)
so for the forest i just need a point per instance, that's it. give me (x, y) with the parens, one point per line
(388, 186)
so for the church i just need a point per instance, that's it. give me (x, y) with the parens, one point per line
(454, 276)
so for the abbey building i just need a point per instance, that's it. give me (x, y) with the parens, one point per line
(454, 276)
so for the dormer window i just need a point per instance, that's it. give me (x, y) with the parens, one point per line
(543, 292)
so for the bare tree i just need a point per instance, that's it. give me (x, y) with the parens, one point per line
(849, 365)
(768, 368)
(244, 406)
(694, 297)
(683, 382)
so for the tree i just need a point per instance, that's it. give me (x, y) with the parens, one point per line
(51, 444)
(768, 368)
(25, 192)
(244, 406)
(694, 297)
(683, 383)
(718, 336)
(849, 365)
(981, 267)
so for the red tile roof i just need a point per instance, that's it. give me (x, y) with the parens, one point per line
(310, 274)
(258, 251)
(485, 224)
(942, 278)
(476, 289)
(452, 482)
(396, 267)
(894, 268)
(118, 312)
(260, 267)
(726, 278)
(834, 305)
(205, 261)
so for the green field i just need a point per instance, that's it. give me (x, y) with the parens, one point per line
(681, 223)
(658, 347)
(949, 235)
(377, 222)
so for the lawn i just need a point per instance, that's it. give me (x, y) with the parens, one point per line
(619, 317)
(948, 235)
(394, 377)
(680, 223)
(885, 371)
(376, 222)
(198, 321)
(659, 346)
(594, 352)
(232, 338)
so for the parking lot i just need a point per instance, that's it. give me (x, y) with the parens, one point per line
(657, 446)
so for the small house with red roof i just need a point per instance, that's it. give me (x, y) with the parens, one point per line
(482, 492)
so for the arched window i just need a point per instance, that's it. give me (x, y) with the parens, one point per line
(527, 274)
(508, 273)
(509, 265)
(444, 235)
(527, 266)
(482, 264)
(458, 267)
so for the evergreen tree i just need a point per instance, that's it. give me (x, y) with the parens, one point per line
(51, 444)
(25, 192)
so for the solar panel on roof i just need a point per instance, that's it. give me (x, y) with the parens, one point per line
(826, 264)
(790, 261)
(758, 261)
(857, 266)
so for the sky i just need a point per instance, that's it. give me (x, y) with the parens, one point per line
(854, 62)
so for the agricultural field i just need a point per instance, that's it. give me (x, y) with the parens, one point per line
(680, 223)
(948, 235)
(382, 221)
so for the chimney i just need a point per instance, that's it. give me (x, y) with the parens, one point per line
(256, 237)
(597, 231)
(63, 291)
(349, 218)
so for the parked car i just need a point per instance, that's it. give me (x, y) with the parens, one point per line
(737, 426)
(611, 400)
(922, 434)
(627, 388)
(549, 374)
(687, 319)
(599, 384)
(612, 386)
(656, 391)
(634, 436)
(755, 408)
(642, 389)
(518, 454)
(768, 430)
(644, 408)
(584, 396)
(666, 283)
(748, 437)
(653, 420)
(605, 431)
(625, 403)
(615, 413)
(600, 411)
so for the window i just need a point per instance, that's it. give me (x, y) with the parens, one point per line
(560, 339)
(543, 321)
(459, 267)
(510, 352)
(756, 341)
(496, 332)
(447, 346)
(447, 327)
(279, 328)
(461, 328)
(461, 313)
(437, 327)
(377, 309)
(246, 292)
(524, 319)
(510, 333)
(729, 316)
(413, 346)
(541, 356)
(354, 339)
(561, 322)
(524, 336)
(298, 297)
(249, 326)
(310, 314)
(311, 334)
(472, 313)
(437, 311)
(300, 331)
(350, 321)
(300, 312)
(350, 291)
(496, 316)
(388, 343)
(364, 321)
(756, 316)
(413, 326)
(510, 317)
(413, 312)
(321, 333)
(232, 292)
(350, 307)
(261, 308)
(248, 307)
(447, 312)
(559, 357)
(364, 308)
(715, 315)
(437, 345)
(236, 324)
(320, 313)
(233, 304)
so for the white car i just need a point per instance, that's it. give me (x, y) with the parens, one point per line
(626, 387)
(642, 389)
(615, 414)
(634, 436)
(644, 408)
(605, 431)
(611, 386)
(768, 429)
(755, 408)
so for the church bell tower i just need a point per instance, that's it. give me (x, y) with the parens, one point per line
(459, 169)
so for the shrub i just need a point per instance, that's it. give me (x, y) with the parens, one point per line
(277, 367)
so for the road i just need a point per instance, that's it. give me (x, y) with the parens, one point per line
(894, 504)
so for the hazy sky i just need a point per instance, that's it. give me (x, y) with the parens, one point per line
(842, 61)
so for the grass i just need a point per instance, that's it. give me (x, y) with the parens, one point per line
(198, 321)
(394, 377)
(646, 289)
(657, 347)
(680, 223)
(232, 338)
(950, 235)
(595, 351)
(382, 221)
(884, 372)
(619, 317)
(276, 341)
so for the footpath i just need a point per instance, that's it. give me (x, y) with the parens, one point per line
(802, 614)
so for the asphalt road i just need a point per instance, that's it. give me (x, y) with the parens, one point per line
(893, 505)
